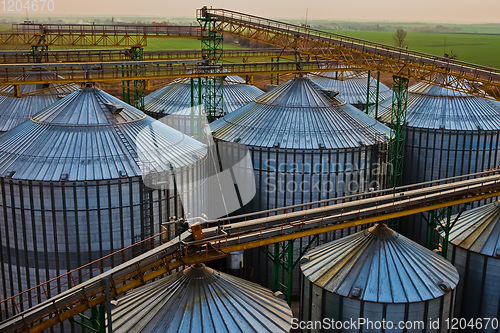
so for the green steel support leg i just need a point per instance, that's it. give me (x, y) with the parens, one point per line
(398, 134)
(289, 276)
(211, 48)
(138, 54)
(278, 75)
(192, 107)
(376, 96)
(276, 269)
(368, 92)
(272, 60)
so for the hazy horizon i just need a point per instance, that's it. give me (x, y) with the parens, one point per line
(422, 11)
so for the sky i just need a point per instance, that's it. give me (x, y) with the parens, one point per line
(445, 11)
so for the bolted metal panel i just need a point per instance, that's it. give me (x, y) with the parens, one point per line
(475, 251)
(297, 115)
(174, 106)
(72, 188)
(16, 110)
(200, 297)
(376, 274)
(354, 89)
(448, 134)
(305, 146)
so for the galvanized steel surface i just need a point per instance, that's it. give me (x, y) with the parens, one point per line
(474, 248)
(16, 110)
(379, 265)
(478, 230)
(354, 89)
(448, 134)
(175, 98)
(297, 115)
(72, 191)
(305, 146)
(81, 137)
(433, 107)
(201, 300)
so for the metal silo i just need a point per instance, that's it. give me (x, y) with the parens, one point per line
(34, 98)
(474, 249)
(200, 299)
(306, 145)
(448, 134)
(354, 88)
(377, 274)
(173, 105)
(72, 187)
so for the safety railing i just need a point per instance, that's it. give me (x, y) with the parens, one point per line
(44, 291)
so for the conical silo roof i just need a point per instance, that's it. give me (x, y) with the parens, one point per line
(379, 265)
(16, 110)
(200, 299)
(478, 230)
(353, 90)
(299, 115)
(176, 97)
(436, 107)
(91, 135)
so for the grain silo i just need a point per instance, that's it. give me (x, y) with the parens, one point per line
(377, 274)
(306, 146)
(353, 87)
(173, 105)
(33, 99)
(200, 299)
(71, 186)
(448, 134)
(474, 249)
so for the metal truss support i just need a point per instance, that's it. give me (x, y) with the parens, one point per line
(398, 135)
(196, 108)
(373, 112)
(282, 257)
(440, 220)
(368, 93)
(211, 49)
(37, 52)
(139, 85)
(93, 323)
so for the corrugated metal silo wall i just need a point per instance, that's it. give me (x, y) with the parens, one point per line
(288, 177)
(50, 228)
(432, 154)
(479, 287)
(318, 304)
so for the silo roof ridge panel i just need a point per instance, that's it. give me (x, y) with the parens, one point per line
(14, 111)
(411, 273)
(478, 230)
(93, 148)
(446, 110)
(218, 303)
(343, 125)
(176, 97)
(352, 90)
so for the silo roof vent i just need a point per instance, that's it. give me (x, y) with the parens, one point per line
(114, 107)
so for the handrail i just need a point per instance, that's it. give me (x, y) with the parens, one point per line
(242, 232)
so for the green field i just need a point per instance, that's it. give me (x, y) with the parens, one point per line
(479, 49)
(156, 44)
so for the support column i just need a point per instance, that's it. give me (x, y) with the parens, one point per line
(398, 135)
(211, 48)
(368, 92)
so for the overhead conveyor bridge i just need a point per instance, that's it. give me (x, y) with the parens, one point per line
(243, 232)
